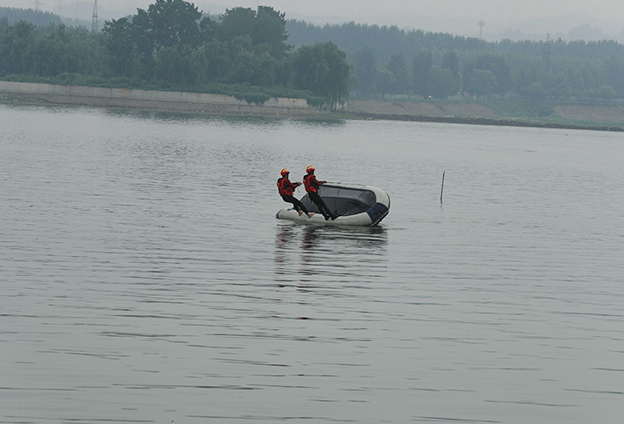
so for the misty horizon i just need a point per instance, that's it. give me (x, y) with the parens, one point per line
(568, 26)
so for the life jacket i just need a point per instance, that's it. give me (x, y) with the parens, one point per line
(310, 183)
(285, 187)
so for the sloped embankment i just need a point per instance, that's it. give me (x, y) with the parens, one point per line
(614, 114)
(514, 113)
(432, 109)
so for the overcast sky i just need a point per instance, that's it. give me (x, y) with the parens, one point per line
(490, 10)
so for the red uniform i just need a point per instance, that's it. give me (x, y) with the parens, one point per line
(285, 187)
(312, 186)
(311, 183)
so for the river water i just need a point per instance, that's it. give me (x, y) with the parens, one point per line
(145, 279)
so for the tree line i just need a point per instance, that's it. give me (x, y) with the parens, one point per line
(389, 60)
(13, 14)
(257, 54)
(172, 45)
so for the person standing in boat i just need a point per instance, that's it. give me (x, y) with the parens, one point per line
(286, 189)
(312, 186)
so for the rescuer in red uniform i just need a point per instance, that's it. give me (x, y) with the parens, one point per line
(312, 185)
(286, 190)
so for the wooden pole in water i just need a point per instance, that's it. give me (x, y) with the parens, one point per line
(442, 189)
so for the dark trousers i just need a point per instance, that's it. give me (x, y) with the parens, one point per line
(320, 203)
(296, 203)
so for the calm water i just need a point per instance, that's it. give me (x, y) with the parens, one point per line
(145, 279)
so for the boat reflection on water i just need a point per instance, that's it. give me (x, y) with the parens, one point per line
(313, 253)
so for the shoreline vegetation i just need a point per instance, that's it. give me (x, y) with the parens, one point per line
(502, 112)
(481, 121)
(171, 56)
(507, 112)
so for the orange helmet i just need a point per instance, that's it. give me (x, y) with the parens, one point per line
(310, 169)
(285, 172)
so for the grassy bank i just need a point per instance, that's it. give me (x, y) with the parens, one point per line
(506, 112)
(590, 115)
(576, 125)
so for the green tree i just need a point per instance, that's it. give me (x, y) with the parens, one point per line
(169, 65)
(558, 85)
(265, 27)
(134, 44)
(499, 67)
(614, 69)
(450, 61)
(39, 18)
(181, 66)
(442, 82)
(365, 70)
(51, 56)
(400, 71)
(174, 22)
(236, 22)
(284, 71)
(120, 45)
(384, 81)
(269, 29)
(527, 70)
(535, 90)
(421, 67)
(606, 92)
(218, 58)
(166, 23)
(254, 66)
(144, 41)
(16, 43)
(65, 50)
(322, 68)
(481, 82)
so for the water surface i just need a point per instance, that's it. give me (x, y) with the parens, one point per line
(145, 278)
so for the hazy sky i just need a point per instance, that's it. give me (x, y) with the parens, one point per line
(499, 10)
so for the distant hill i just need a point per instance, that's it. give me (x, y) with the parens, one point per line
(83, 10)
(570, 26)
(34, 16)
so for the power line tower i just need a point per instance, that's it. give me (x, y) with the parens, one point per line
(94, 20)
(547, 54)
(37, 5)
(481, 23)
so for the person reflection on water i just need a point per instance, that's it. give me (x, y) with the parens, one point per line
(286, 189)
(312, 186)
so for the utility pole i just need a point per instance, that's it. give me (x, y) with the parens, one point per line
(94, 20)
(481, 23)
(547, 54)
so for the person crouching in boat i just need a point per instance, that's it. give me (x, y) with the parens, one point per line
(312, 185)
(286, 190)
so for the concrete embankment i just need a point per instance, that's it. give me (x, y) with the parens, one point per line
(151, 100)
(605, 118)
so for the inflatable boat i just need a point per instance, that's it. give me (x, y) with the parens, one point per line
(354, 204)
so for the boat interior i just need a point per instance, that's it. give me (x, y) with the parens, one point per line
(342, 201)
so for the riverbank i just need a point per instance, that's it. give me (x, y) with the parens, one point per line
(502, 113)
(170, 101)
(499, 113)
(479, 121)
